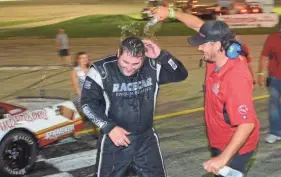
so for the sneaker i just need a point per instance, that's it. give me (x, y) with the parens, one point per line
(272, 138)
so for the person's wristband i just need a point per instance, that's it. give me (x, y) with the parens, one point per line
(260, 74)
(171, 13)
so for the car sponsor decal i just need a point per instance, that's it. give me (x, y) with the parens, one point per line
(54, 134)
(41, 133)
(11, 121)
(66, 112)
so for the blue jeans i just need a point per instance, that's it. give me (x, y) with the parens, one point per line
(274, 106)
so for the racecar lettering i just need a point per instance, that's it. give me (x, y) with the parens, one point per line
(132, 88)
(87, 111)
(25, 138)
(133, 93)
(59, 132)
(15, 172)
(128, 87)
(12, 121)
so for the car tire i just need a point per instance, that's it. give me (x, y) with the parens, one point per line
(17, 146)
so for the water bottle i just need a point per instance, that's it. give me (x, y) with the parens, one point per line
(230, 172)
(152, 22)
(151, 27)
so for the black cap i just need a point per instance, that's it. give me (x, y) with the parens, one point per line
(210, 31)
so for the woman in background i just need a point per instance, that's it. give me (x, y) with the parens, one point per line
(78, 76)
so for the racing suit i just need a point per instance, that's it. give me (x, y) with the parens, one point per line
(111, 99)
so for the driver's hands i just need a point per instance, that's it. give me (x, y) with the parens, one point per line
(119, 137)
(152, 50)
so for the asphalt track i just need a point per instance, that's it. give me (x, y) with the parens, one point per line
(170, 115)
(183, 142)
(183, 139)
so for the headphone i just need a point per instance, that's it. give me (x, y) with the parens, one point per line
(232, 47)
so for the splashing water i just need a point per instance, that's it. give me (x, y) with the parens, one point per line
(129, 30)
(135, 29)
(151, 28)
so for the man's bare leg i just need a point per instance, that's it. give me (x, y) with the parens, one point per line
(67, 59)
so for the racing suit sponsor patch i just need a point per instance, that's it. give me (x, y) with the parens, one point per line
(88, 112)
(172, 64)
(87, 84)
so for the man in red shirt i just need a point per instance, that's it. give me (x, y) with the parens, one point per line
(272, 53)
(232, 124)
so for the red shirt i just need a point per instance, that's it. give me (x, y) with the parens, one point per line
(229, 103)
(272, 50)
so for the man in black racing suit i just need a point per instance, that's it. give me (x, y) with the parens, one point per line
(119, 96)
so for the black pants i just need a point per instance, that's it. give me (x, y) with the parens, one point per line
(63, 52)
(238, 162)
(143, 155)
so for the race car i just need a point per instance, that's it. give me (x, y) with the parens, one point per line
(251, 8)
(23, 132)
(240, 8)
(203, 11)
(184, 6)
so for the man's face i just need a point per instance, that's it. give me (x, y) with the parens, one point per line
(128, 64)
(209, 50)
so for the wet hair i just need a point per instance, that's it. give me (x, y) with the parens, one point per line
(76, 62)
(133, 45)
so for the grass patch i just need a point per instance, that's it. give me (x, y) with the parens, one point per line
(18, 22)
(87, 26)
(136, 16)
(108, 26)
